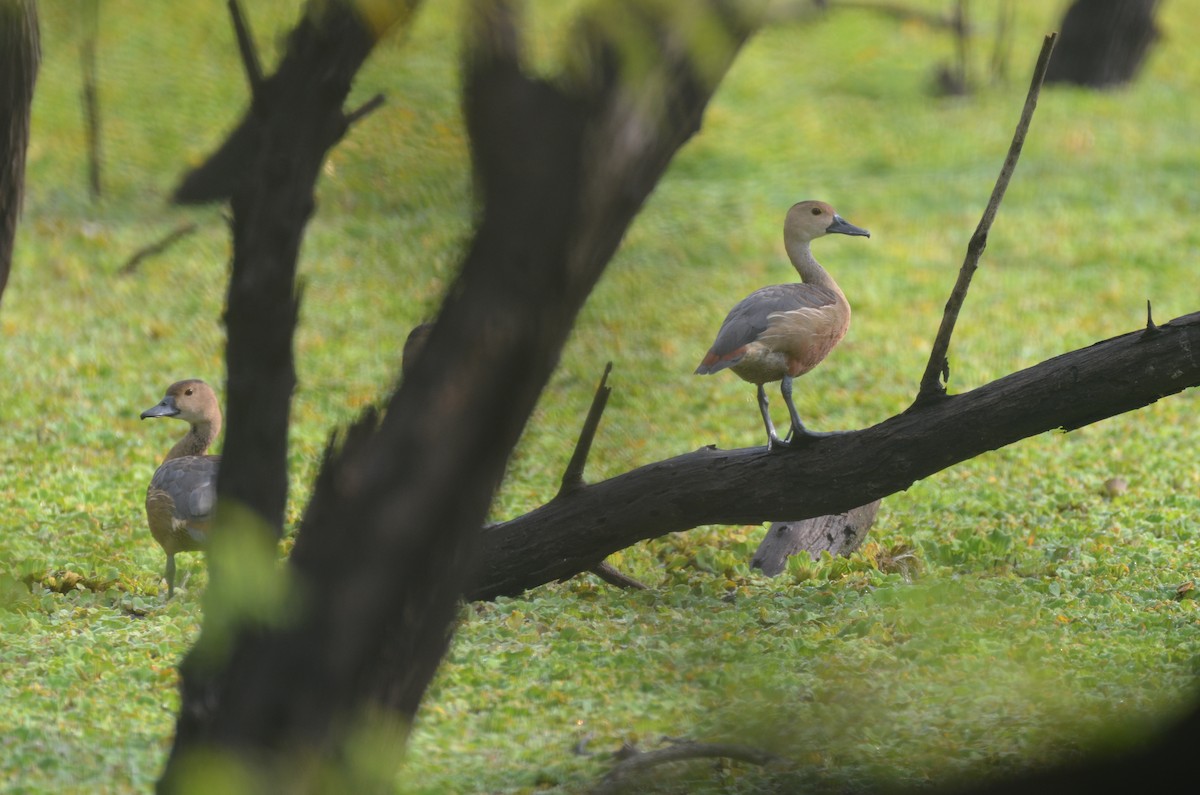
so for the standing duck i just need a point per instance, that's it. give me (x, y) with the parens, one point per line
(781, 332)
(183, 492)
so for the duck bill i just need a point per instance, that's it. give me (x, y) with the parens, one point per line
(165, 409)
(843, 227)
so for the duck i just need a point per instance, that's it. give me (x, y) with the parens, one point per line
(781, 332)
(182, 495)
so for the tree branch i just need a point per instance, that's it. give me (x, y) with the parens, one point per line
(834, 474)
(573, 475)
(331, 38)
(612, 576)
(937, 371)
(362, 111)
(157, 247)
(902, 13)
(247, 48)
(636, 761)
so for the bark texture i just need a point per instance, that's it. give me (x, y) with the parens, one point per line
(294, 119)
(20, 54)
(837, 534)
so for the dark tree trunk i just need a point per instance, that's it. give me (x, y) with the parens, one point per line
(294, 119)
(389, 537)
(268, 170)
(20, 53)
(1103, 42)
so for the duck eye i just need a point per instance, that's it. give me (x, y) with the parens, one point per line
(816, 211)
(187, 391)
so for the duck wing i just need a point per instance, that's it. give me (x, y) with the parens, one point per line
(181, 500)
(751, 318)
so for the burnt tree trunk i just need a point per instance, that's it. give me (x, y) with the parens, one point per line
(1103, 43)
(20, 53)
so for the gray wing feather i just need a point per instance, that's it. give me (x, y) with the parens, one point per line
(191, 483)
(751, 316)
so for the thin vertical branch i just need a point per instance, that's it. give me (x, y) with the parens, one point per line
(572, 478)
(938, 369)
(247, 48)
(91, 95)
(1002, 43)
(573, 475)
(962, 40)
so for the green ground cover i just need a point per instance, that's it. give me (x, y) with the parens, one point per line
(1004, 610)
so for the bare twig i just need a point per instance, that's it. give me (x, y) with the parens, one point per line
(247, 48)
(572, 478)
(368, 107)
(639, 761)
(573, 475)
(899, 12)
(962, 40)
(91, 95)
(932, 386)
(610, 575)
(158, 247)
(1151, 326)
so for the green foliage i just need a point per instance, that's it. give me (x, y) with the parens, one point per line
(1009, 609)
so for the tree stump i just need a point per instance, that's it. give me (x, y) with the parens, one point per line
(1103, 42)
(837, 534)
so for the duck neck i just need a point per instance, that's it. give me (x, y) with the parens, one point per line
(197, 440)
(806, 265)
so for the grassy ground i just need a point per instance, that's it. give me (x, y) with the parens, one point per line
(1004, 610)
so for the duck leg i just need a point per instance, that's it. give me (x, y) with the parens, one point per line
(797, 429)
(773, 439)
(170, 574)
